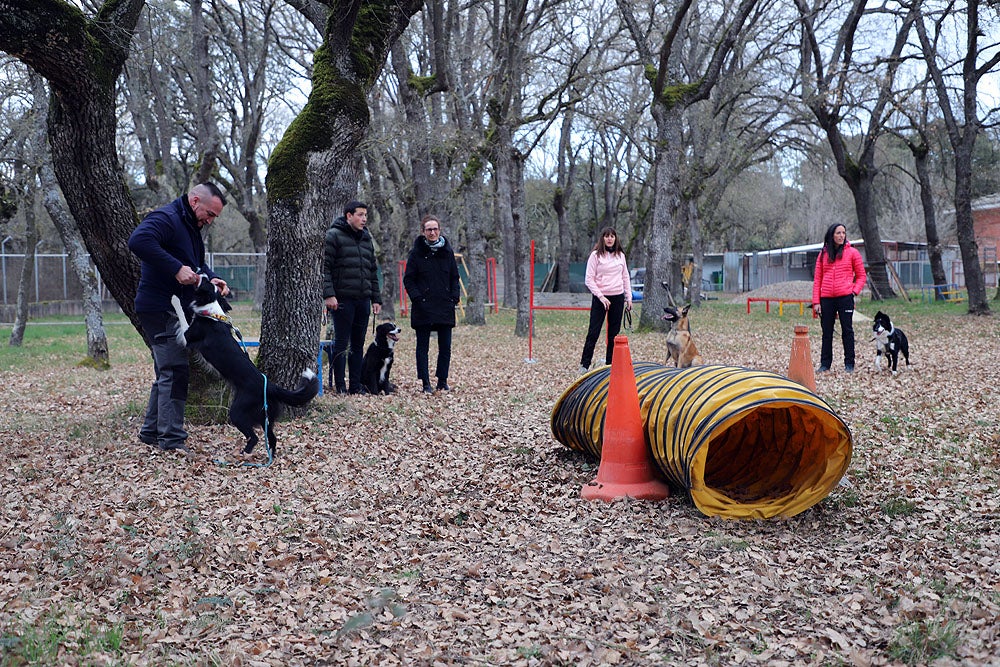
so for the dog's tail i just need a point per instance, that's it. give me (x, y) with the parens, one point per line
(304, 392)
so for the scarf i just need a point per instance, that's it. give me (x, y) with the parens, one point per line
(437, 245)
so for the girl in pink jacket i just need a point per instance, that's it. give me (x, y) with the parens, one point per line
(607, 279)
(840, 276)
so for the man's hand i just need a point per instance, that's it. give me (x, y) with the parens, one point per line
(186, 276)
(221, 285)
(331, 303)
(376, 308)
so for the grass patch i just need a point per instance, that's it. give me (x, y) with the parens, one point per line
(923, 642)
(50, 637)
(896, 507)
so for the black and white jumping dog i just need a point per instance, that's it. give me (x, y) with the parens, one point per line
(378, 360)
(212, 336)
(889, 342)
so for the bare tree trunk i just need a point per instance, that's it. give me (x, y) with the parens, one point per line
(201, 105)
(660, 264)
(674, 89)
(938, 275)
(522, 246)
(822, 86)
(565, 173)
(417, 132)
(150, 101)
(28, 267)
(97, 339)
(478, 296)
(864, 206)
(697, 253)
(975, 282)
(503, 220)
(387, 248)
(516, 257)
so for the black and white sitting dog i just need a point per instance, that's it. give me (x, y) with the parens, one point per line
(889, 342)
(378, 360)
(211, 335)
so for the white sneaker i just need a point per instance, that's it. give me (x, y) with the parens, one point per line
(584, 370)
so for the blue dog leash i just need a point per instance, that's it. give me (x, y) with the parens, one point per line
(238, 335)
(267, 445)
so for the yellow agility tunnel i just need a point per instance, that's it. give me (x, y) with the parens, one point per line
(743, 443)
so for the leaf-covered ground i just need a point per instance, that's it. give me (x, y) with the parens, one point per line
(450, 529)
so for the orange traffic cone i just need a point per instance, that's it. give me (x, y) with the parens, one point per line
(626, 469)
(800, 367)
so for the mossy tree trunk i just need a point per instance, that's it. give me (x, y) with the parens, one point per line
(313, 172)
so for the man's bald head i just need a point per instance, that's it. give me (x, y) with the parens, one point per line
(206, 200)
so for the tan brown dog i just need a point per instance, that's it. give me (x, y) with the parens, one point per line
(680, 345)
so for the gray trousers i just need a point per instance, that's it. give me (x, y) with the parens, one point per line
(164, 420)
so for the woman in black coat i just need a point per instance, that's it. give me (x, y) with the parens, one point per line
(431, 281)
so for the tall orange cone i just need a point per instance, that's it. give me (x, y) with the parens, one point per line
(626, 468)
(800, 367)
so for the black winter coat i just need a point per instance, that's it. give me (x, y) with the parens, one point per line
(431, 281)
(350, 271)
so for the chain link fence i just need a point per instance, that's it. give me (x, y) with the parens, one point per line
(55, 280)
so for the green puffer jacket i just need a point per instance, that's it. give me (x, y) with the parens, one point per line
(349, 269)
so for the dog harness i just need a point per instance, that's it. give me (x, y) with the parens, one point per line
(225, 319)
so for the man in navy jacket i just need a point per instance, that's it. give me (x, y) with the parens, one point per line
(168, 242)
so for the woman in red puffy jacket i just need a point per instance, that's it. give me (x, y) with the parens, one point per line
(840, 276)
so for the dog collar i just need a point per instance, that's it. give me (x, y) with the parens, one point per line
(225, 319)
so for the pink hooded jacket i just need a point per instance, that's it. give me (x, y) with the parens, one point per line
(607, 275)
(844, 276)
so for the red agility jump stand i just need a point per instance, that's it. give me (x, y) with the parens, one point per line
(781, 304)
(626, 467)
(491, 284)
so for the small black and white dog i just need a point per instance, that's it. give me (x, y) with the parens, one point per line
(378, 360)
(211, 335)
(889, 342)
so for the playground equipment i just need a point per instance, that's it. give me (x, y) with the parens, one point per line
(743, 443)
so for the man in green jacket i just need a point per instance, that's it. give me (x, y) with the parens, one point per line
(350, 291)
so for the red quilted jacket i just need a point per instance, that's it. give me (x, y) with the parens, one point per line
(845, 275)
